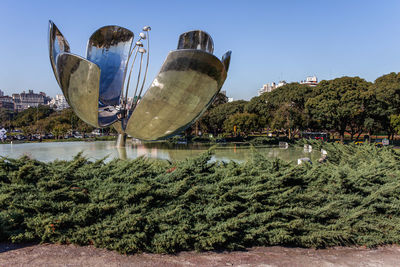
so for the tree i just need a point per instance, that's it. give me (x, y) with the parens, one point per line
(262, 106)
(6, 117)
(219, 99)
(216, 117)
(202, 123)
(283, 108)
(386, 90)
(60, 130)
(28, 130)
(395, 123)
(241, 122)
(31, 115)
(375, 113)
(339, 105)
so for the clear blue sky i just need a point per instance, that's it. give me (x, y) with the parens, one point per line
(270, 40)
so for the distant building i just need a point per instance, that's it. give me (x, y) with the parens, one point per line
(281, 83)
(7, 103)
(26, 100)
(59, 102)
(1, 93)
(230, 99)
(267, 88)
(311, 81)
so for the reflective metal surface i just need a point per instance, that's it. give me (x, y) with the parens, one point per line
(199, 40)
(226, 60)
(185, 86)
(107, 115)
(109, 48)
(79, 80)
(57, 44)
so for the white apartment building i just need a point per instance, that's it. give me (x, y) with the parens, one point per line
(59, 102)
(267, 88)
(311, 81)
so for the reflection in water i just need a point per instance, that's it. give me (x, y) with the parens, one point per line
(122, 153)
(99, 150)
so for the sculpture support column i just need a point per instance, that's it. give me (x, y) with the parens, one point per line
(121, 141)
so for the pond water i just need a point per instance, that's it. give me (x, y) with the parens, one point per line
(98, 150)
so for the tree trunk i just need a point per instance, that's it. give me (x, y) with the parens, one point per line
(341, 133)
(358, 135)
(197, 128)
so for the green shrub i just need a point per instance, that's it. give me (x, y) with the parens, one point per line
(156, 206)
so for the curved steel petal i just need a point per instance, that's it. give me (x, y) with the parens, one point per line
(226, 60)
(107, 116)
(57, 44)
(79, 80)
(183, 89)
(199, 40)
(109, 48)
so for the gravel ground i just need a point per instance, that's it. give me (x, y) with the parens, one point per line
(71, 255)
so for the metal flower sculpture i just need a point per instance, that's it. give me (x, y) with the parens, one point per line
(187, 83)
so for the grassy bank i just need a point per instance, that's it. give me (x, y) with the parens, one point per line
(158, 206)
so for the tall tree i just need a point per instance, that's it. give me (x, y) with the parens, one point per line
(31, 115)
(202, 123)
(241, 123)
(339, 105)
(6, 117)
(387, 98)
(283, 108)
(219, 114)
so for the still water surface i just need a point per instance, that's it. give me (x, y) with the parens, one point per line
(99, 150)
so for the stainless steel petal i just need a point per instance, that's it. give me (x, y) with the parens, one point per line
(226, 60)
(79, 80)
(109, 48)
(199, 40)
(57, 44)
(183, 89)
(107, 116)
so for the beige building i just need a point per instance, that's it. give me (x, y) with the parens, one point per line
(6, 102)
(26, 100)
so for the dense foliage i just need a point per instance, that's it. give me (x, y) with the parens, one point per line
(43, 119)
(339, 104)
(158, 206)
(343, 105)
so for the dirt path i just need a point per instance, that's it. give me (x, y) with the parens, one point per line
(70, 255)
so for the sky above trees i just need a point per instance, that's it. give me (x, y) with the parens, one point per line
(270, 40)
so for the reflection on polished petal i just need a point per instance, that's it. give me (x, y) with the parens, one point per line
(226, 60)
(109, 48)
(183, 89)
(196, 40)
(79, 79)
(57, 44)
(186, 85)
